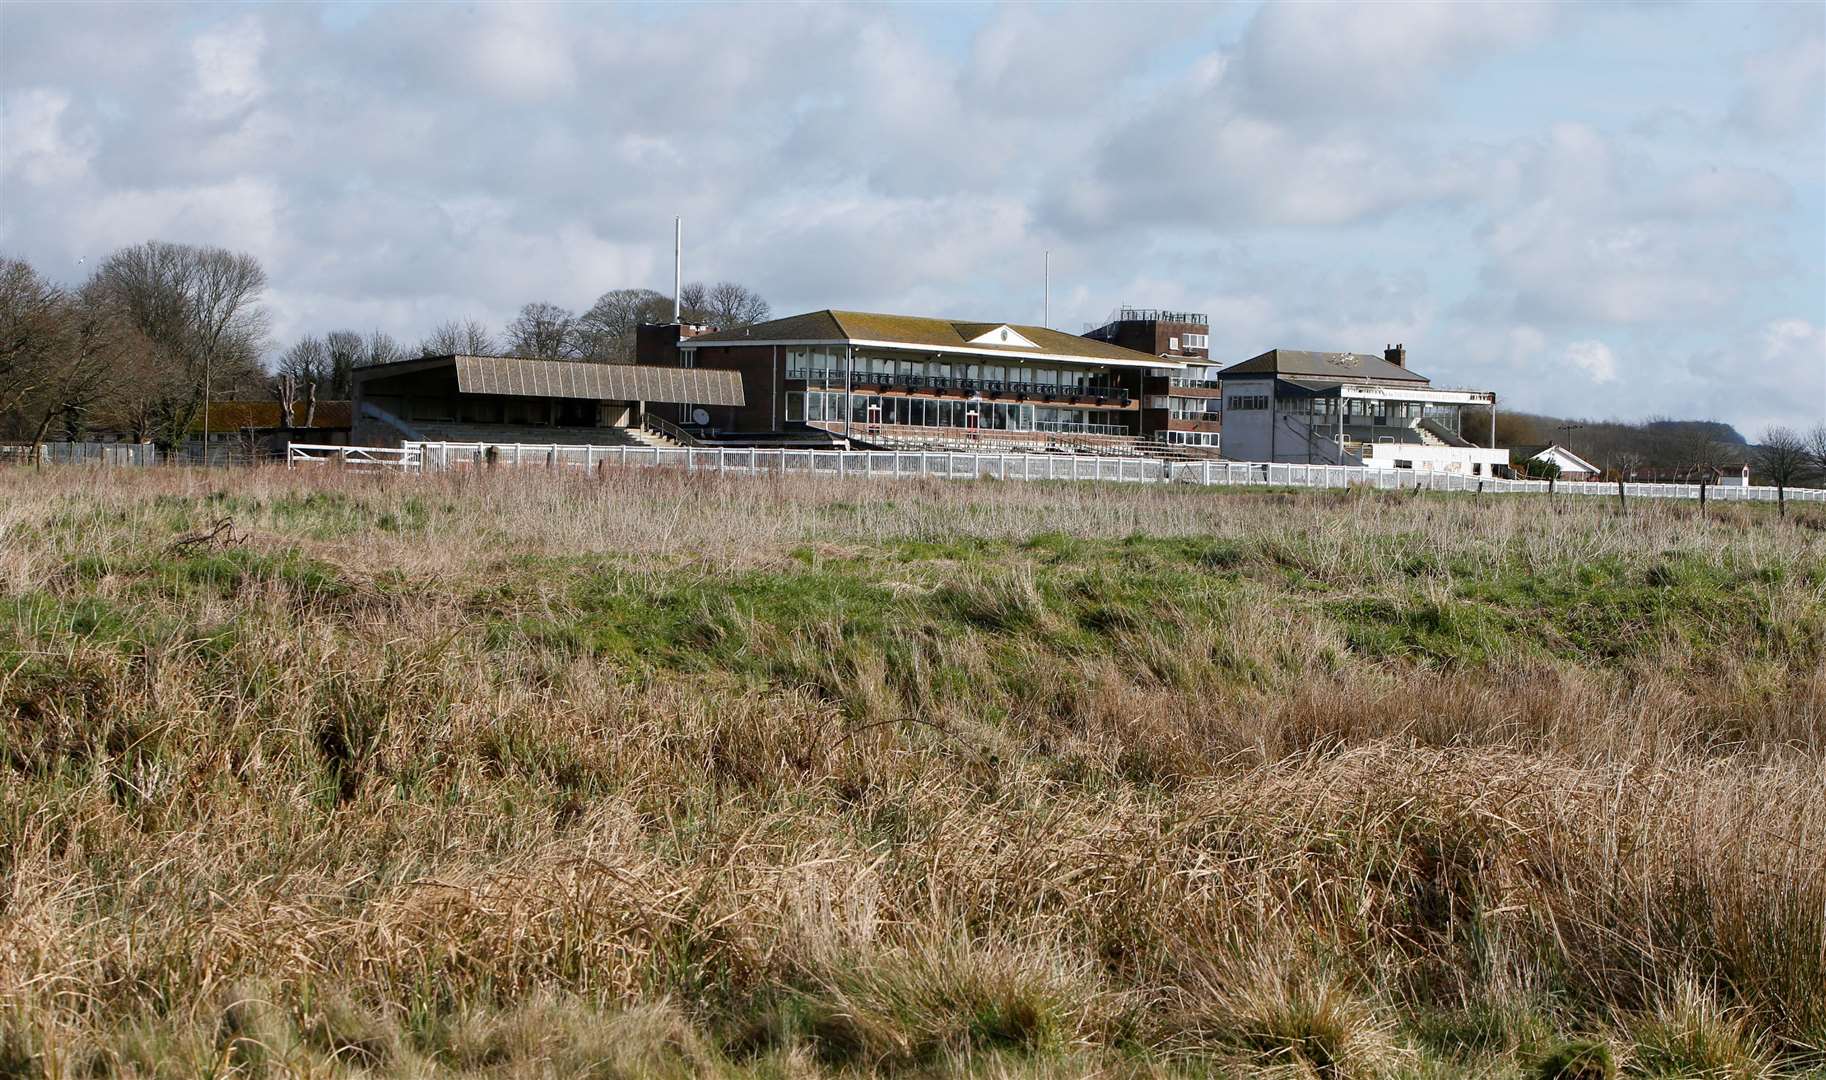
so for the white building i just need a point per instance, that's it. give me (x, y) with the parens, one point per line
(1314, 408)
(1570, 465)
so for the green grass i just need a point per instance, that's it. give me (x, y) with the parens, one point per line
(676, 776)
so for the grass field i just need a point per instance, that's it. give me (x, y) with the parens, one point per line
(676, 775)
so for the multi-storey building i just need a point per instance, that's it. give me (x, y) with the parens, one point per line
(901, 380)
(1182, 404)
(1351, 409)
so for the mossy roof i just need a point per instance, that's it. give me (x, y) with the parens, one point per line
(1325, 365)
(918, 332)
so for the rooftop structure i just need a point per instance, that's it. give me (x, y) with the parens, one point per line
(1179, 404)
(1342, 408)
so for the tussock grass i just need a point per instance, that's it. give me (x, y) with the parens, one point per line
(654, 774)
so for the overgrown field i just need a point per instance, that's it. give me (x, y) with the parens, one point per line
(673, 775)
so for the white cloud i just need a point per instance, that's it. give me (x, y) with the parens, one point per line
(242, 213)
(1595, 359)
(1301, 172)
(33, 143)
(226, 63)
(521, 51)
(1784, 89)
(1354, 59)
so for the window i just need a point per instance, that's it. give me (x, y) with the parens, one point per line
(1172, 344)
(1197, 341)
(1249, 401)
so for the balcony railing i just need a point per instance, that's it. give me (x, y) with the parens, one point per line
(1197, 384)
(941, 383)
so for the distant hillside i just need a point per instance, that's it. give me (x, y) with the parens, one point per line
(1660, 442)
(1715, 430)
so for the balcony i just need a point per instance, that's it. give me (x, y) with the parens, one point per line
(993, 389)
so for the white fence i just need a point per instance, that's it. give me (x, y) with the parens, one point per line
(366, 458)
(431, 456)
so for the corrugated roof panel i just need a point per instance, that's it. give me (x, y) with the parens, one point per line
(523, 377)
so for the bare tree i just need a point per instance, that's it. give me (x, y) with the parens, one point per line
(308, 361)
(32, 327)
(607, 331)
(725, 305)
(1816, 449)
(733, 305)
(288, 400)
(466, 338)
(63, 354)
(380, 349)
(199, 309)
(543, 330)
(346, 350)
(1783, 459)
(694, 302)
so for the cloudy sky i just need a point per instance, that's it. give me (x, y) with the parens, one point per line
(1595, 210)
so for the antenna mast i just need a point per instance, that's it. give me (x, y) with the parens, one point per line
(1046, 291)
(678, 266)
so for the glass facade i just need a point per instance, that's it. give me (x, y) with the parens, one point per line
(821, 407)
(915, 371)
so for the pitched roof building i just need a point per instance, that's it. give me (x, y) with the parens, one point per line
(905, 380)
(1344, 408)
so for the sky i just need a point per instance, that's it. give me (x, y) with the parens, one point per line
(1596, 210)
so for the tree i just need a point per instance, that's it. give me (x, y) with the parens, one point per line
(607, 331)
(380, 349)
(198, 308)
(1816, 449)
(346, 350)
(309, 361)
(1783, 459)
(543, 330)
(467, 338)
(725, 305)
(59, 354)
(732, 305)
(32, 314)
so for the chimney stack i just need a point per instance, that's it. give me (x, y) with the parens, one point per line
(1396, 354)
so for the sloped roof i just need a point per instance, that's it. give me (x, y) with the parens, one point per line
(1529, 453)
(227, 416)
(830, 327)
(1323, 365)
(524, 377)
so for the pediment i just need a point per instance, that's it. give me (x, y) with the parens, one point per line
(1004, 335)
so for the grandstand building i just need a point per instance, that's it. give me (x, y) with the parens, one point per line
(514, 399)
(901, 381)
(1314, 408)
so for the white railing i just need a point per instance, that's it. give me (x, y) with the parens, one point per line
(954, 465)
(369, 458)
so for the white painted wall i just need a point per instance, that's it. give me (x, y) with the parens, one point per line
(1451, 459)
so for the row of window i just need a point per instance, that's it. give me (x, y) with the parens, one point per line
(829, 365)
(1249, 401)
(933, 412)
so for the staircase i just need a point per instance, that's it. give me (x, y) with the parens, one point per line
(1427, 438)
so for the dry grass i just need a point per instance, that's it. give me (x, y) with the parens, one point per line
(679, 775)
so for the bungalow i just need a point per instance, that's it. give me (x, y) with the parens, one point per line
(1531, 460)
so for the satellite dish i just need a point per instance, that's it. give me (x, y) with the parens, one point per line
(700, 417)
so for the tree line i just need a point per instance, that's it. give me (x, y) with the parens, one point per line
(159, 328)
